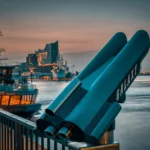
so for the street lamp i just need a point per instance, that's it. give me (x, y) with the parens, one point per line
(31, 74)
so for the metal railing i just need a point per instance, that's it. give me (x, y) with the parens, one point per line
(17, 87)
(16, 133)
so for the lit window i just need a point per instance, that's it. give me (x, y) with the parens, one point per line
(5, 100)
(15, 100)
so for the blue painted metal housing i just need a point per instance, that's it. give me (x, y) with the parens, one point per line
(87, 107)
(66, 101)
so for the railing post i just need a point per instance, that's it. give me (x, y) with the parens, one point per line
(0, 134)
(19, 137)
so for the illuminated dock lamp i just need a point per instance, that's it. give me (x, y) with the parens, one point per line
(31, 74)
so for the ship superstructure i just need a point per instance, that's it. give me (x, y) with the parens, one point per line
(16, 97)
(60, 71)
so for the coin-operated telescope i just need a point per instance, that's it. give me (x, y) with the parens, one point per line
(88, 106)
(66, 101)
(99, 107)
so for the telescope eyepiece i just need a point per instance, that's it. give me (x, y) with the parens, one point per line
(50, 131)
(65, 133)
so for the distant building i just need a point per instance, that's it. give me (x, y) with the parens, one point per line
(31, 61)
(54, 52)
(48, 55)
(42, 60)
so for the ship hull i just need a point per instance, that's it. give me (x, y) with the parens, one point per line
(25, 111)
(21, 103)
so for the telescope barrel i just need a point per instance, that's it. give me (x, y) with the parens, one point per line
(111, 49)
(69, 98)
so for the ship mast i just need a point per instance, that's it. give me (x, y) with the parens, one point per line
(2, 50)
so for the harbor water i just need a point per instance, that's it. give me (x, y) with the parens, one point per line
(132, 123)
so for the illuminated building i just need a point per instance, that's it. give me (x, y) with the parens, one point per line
(48, 55)
(43, 60)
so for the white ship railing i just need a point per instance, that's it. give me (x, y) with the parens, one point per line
(17, 87)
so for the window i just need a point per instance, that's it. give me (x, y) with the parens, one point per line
(15, 100)
(5, 100)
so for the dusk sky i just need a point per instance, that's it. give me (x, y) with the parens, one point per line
(78, 25)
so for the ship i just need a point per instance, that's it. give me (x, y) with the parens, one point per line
(60, 71)
(16, 96)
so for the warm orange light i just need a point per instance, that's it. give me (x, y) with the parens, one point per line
(15, 100)
(31, 71)
(5, 100)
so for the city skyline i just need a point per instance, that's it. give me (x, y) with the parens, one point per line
(78, 25)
